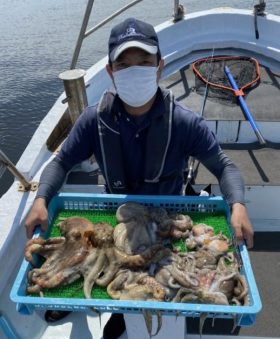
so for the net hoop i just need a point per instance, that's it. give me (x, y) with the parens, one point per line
(212, 59)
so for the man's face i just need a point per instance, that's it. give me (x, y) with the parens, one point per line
(134, 57)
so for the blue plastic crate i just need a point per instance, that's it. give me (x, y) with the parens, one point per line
(245, 315)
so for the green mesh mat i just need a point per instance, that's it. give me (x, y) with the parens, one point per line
(75, 289)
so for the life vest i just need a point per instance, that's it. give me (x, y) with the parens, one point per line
(158, 140)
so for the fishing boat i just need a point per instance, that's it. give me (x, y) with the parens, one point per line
(252, 141)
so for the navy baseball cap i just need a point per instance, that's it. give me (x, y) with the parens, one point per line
(132, 33)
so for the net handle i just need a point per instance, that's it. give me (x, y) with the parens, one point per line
(244, 106)
(209, 83)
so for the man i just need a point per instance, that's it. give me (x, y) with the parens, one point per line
(141, 138)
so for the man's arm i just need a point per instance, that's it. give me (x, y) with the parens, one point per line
(52, 179)
(50, 182)
(232, 188)
(201, 143)
(228, 175)
(79, 146)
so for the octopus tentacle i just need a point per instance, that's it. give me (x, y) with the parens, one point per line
(150, 255)
(93, 274)
(138, 292)
(186, 279)
(52, 281)
(213, 297)
(34, 289)
(108, 276)
(114, 288)
(42, 247)
(243, 295)
(112, 267)
(172, 283)
(159, 291)
(185, 294)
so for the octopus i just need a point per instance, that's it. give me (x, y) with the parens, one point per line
(202, 237)
(170, 273)
(235, 288)
(223, 286)
(175, 271)
(166, 279)
(182, 269)
(204, 258)
(63, 255)
(135, 285)
(140, 227)
(104, 262)
(84, 250)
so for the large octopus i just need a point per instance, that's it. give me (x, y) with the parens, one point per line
(64, 255)
(140, 227)
(105, 260)
(85, 249)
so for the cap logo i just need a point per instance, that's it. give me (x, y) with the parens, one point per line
(130, 32)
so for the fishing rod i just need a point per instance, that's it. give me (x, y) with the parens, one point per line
(192, 159)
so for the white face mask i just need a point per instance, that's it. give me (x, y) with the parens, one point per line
(136, 85)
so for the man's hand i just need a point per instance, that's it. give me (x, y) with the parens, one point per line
(242, 226)
(38, 215)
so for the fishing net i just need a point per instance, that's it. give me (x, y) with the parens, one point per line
(210, 76)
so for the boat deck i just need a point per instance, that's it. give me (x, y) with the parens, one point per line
(262, 99)
(258, 166)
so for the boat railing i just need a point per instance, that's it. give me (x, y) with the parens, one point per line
(84, 33)
(73, 80)
(178, 14)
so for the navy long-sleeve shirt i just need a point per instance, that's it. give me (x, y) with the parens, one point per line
(190, 137)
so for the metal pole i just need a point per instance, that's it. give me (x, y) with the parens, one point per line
(103, 22)
(82, 34)
(178, 11)
(260, 8)
(192, 159)
(75, 90)
(176, 6)
(12, 168)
